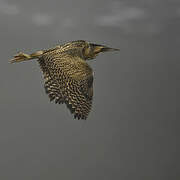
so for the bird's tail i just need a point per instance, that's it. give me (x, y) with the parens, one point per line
(25, 57)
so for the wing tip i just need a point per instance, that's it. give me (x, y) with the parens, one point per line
(77, 115)
(80, 116)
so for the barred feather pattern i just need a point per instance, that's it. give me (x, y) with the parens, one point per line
(69, 80)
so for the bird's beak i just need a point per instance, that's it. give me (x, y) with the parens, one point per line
(101, 48)
(105, 49)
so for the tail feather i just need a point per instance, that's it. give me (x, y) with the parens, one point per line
(25, 57)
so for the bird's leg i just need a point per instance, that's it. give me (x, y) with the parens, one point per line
(36, 54)
(25, 57)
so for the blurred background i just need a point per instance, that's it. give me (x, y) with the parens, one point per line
(133, 129)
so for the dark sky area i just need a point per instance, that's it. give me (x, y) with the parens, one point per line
(133, 129)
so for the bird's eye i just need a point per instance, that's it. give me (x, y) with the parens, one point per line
(86, 50)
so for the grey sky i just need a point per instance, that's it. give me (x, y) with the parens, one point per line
(133, 129)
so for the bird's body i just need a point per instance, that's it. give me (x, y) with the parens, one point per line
(68, 77)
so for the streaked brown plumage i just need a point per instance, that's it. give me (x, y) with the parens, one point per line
(68, 78)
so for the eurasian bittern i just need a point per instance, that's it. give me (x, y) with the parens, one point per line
(68, 78)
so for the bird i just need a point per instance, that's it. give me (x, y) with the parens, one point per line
(68, 78)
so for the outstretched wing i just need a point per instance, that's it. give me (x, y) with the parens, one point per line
(68, 80)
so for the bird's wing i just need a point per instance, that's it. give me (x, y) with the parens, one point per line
(69, 80)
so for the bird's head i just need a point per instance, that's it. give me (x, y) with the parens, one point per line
(91, 50)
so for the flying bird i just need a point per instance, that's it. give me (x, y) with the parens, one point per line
(68, 77)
